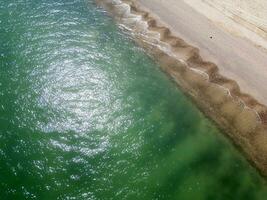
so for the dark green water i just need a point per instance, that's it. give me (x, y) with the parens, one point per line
(85, 114)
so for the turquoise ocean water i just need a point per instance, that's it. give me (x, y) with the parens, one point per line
(86, 114)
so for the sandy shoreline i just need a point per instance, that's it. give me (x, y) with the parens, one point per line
(242, 117)
(235, 57)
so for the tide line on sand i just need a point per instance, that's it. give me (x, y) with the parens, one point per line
(240, 115)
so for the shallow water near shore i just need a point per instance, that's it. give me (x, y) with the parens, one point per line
(86, 114)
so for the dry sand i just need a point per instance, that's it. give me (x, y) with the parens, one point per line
(244, 18)
(236, 57)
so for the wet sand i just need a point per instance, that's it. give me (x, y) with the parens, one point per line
(187, 62)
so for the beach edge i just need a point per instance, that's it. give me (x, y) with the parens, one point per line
(240, 115)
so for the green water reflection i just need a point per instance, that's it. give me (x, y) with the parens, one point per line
(85, 114)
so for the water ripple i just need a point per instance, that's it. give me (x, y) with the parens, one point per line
(85, 114)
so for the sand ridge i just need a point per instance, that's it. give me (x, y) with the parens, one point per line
(242, 117)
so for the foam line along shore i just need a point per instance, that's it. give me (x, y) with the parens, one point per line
(242, 117)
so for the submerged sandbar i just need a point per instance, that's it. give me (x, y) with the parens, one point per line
(224, 74)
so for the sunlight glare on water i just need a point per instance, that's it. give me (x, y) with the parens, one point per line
(86, 114)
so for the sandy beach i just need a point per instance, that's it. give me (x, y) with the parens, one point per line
(125, 100)
(223, 73)
(236, 57)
